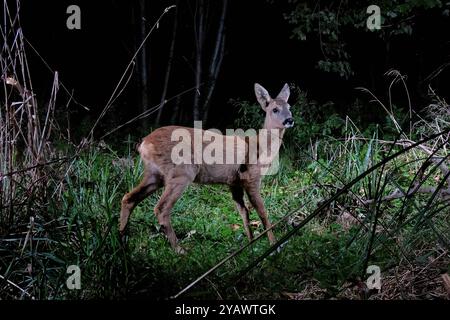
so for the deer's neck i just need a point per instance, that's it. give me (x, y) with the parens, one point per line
(272, 143)
(274, 132)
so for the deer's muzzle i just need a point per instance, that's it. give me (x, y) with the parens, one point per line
(288, 123)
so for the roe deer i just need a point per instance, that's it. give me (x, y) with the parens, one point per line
(156, 151)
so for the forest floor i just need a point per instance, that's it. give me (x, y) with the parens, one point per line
(326, 259)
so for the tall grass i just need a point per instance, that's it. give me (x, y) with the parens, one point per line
(391, 198)
(326, 259)
(28, 165)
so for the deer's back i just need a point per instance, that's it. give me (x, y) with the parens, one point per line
(156, 152)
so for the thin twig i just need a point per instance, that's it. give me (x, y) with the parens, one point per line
(117, 89)
(17, 287)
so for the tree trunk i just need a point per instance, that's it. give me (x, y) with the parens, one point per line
(198, 62)
(175, 119)
(169, 66)
(143, 72)
(216, 60)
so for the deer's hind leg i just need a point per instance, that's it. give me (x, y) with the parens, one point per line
(172, 192)
(151, 182)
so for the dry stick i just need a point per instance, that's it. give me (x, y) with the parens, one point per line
(51, 105)
(28, 236)
(34, 114)
(27, 97)
(169, 67)
(149, 111)
(70, 94)
(431, 262)
(398, 194)
(8, 174)
(398, 76)
(16, 286)
(116, 89)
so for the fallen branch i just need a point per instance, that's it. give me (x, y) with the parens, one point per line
(397, 194)
(8, 174)
(440, 163)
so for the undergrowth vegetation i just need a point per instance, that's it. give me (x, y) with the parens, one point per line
(371, 224)
(344, 199)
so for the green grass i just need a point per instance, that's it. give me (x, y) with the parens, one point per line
(203, 219)
(322, 260)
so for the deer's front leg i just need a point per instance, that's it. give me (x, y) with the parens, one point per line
(256, 200)
(238, 197)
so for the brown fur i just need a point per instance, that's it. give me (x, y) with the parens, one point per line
(156, 149)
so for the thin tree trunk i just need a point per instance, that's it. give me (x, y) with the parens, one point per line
(198, 62)
(213, 81)
(220, 34)
(216, 60)
(169, 67)
(143, 62)
(135, 13)
(175, 116)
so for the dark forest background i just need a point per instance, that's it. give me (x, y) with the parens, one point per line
(222, 47)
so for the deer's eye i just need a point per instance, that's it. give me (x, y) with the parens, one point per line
(275, 110)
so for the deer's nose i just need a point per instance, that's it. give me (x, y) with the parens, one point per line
(289, 122)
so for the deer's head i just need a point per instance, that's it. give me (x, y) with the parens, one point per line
(278, 113)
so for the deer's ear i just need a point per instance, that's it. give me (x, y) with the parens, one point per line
(284, 93)
(262, 96)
